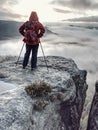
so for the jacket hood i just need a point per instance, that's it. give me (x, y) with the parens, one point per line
(33, 16)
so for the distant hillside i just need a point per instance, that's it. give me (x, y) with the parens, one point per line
(9, 29)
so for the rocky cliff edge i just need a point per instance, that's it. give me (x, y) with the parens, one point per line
(59, 109)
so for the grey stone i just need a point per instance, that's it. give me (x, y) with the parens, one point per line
(60, 110)
(93, 114)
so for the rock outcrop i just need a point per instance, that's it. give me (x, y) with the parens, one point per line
(60, 109)
(93, 115)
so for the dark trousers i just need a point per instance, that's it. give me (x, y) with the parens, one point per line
(34, 49)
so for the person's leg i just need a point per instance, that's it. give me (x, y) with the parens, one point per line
(27, 55)
(34, 56)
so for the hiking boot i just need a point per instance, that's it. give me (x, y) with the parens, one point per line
(33, 68)
(24, 67)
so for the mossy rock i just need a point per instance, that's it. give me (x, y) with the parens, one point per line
(38, 89)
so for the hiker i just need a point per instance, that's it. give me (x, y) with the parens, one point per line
(32, 31)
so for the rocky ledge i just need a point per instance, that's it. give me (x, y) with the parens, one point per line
(93, 114)
(58, 109)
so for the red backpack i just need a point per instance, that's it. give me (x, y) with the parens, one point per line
(30, 32)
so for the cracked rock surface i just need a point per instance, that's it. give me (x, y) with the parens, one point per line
(60, 109)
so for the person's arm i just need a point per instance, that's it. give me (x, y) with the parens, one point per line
(22, 29)
(41, 30)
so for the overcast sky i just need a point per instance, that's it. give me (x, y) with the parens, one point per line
(50, 10)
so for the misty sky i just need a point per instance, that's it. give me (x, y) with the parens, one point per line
(50, 10)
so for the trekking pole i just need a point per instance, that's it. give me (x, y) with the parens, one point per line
(20, 54)
(44, 57)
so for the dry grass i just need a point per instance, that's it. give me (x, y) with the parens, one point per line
(38, 89)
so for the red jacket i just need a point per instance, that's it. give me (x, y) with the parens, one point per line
(39, 29)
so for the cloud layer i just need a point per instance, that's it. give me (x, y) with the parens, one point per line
(78, 7)
(79, 10)
(6, 12)
(77, 4)
(85, 19)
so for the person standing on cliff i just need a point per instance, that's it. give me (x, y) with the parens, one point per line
(32, 31)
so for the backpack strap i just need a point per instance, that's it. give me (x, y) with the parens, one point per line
(30, 25)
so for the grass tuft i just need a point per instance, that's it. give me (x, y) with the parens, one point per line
(38, 89)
